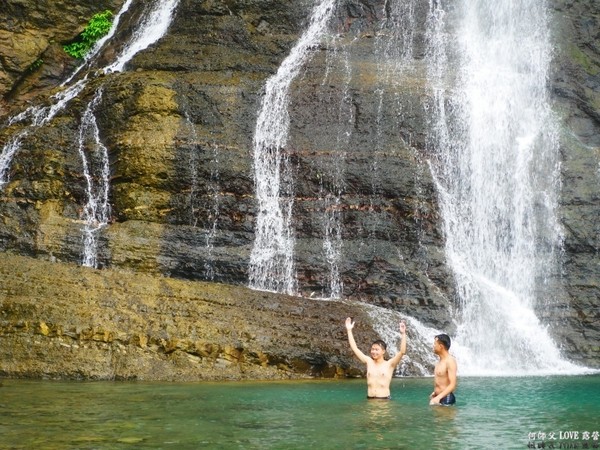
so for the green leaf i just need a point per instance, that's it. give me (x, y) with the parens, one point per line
(98, 26)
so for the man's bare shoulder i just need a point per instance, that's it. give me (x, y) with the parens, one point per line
(451, 364)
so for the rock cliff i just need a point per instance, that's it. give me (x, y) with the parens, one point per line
(179, 124)
(60, 320)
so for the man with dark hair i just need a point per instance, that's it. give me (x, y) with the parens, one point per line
(444, 373)
(379, 370)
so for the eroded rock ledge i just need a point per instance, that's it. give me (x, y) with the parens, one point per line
(64, 321)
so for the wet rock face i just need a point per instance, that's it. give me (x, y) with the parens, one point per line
(576, 87)
(179, 126)
(31, 40)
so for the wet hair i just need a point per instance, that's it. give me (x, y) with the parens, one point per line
(382, 344)
(444, 339)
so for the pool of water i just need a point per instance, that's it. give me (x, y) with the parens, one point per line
(503, 413)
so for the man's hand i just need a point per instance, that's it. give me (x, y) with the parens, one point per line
(349, 323)
(433, 400)
(402, 327)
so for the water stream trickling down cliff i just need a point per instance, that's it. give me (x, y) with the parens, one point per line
(95, 164)
(272, 258)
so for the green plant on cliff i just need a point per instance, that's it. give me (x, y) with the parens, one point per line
(97, 27)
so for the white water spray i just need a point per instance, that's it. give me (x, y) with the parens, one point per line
(91, 55)
(496, 169)
(96, 172)
(272, 257)
(150, 30)
(8, 152)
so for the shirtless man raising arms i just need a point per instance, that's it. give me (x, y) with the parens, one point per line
(379, 370)
(445, 373)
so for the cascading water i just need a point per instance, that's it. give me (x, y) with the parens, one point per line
(96, 172)
(496, 167)
(96, 211)
(272, 256)
(151, 29)
(213, 215)
(6, 157)
(332, 183)
(38, 116)
(91, 55)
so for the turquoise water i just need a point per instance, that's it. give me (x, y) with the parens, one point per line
(503, 413)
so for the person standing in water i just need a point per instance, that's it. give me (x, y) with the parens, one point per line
(379, 370)
(444, 374)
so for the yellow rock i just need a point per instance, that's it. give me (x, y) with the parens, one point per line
(43, 329)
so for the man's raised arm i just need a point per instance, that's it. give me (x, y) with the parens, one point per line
(360, 355)
(398, 356)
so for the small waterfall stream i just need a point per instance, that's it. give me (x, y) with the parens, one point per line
(91, 55)
(151, 28)
(96, 171)
(213, 215)
(332, 179)
(272, 256)
(8, 152)
(96, 211)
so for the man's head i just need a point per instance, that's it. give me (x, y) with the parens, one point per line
(378, 349)
(441, 340)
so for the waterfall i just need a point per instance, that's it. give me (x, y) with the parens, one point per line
(38, 116)
(495, 164)
(8, 152)
(41, 115)
(96, 172)
(150, 30)
(272, 257)
(213, 215)
(89, 57)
